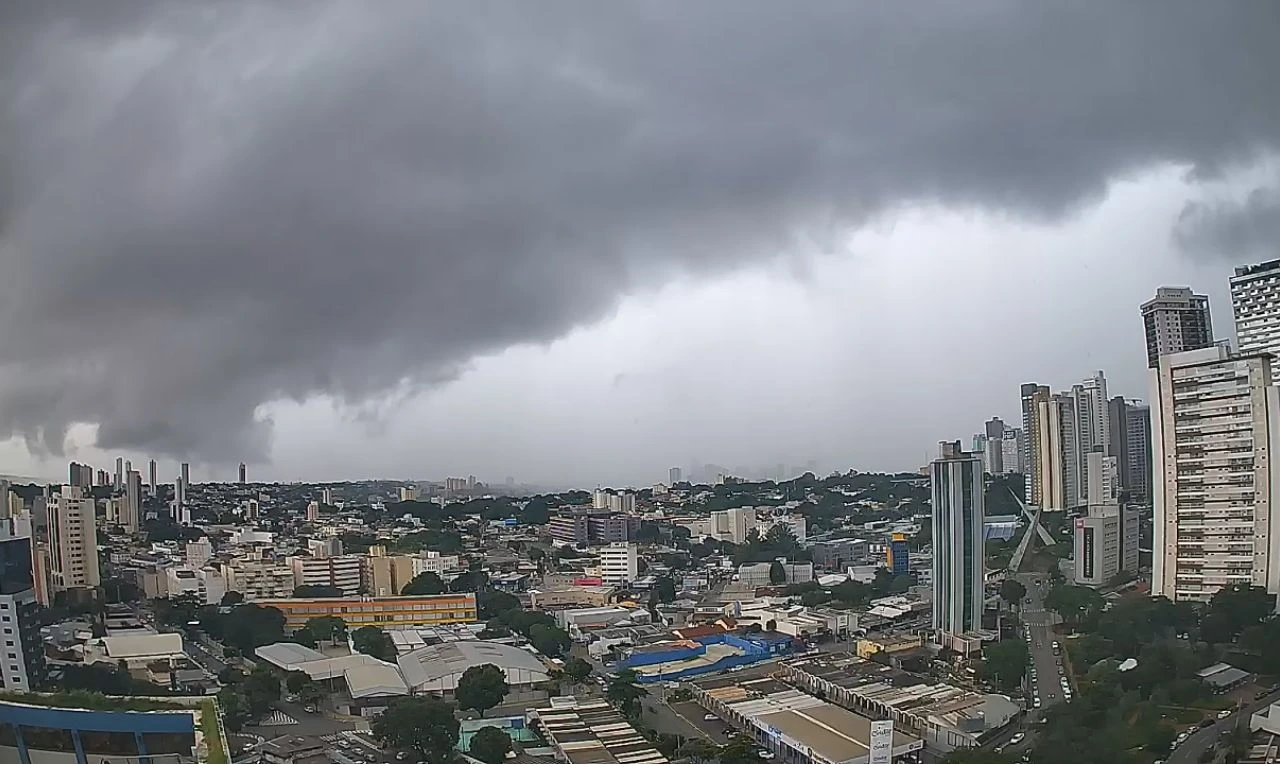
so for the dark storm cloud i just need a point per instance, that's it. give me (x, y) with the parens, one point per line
(1233, 230)
(206, 206)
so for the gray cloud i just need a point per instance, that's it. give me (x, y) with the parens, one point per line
(204, 207)
(1235, 230)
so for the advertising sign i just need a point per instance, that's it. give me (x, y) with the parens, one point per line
(881, 742)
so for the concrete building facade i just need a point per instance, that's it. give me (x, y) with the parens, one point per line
(957, 486)
(1255, 300)
(1215, 417)
(1176, 320)
(73, 540)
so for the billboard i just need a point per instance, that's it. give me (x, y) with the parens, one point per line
(881, 742)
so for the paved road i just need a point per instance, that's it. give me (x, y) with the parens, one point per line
(1189, 752)
(1039, 621)
(203, 657)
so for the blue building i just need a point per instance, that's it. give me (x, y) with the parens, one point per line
(34, 734)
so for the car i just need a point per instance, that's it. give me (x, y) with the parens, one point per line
(310, 709)
(709, 717)
(402, 756)
(1224, 713)
(1018, 738)
(999, 749)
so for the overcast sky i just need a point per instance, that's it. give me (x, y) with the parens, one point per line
(578, 243)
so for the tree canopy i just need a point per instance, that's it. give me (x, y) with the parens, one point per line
(481, 688)
(424, 584)
(371, 640)
(317, 590)
(422, 725)
(577, 669)
(490, 745)
(1006, 663)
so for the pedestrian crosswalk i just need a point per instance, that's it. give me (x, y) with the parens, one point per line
(278, 719)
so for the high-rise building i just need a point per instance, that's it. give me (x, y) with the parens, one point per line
(619, 563)
(1176, 320)
(1048, 474)
(131, 506)
(103, 478)
(23, 666)
(957, 486)
(1255, 300)
(1011, 451)
(119, 481)
(1089, 431)
(1106, 543)
(1137, 453)
(1032, 394)
(386, 575)
(673, 475)
(80, 475)
(151, 476)
(180, 511)
(994, 430)
(326, 496)
(243, 474)
(73, 540)
(185, 472)
(1214, 417)
(313, 511)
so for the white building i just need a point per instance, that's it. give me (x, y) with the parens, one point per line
(434, 562)
(23, 666)
(1106, 543)
(131, 506)
(619, 563)
(341, 572)
(1255, 299)
(957, 484)
(257, 578)
(1214, 418)
(1011, 451)
(757, 573)
(796, 524)
(73, 540)
(199, 552)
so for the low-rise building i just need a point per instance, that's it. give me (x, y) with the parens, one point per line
(590, 731)
(944, 716)
(571, 596)
(295, 750)
(437, 668)
(384, 612)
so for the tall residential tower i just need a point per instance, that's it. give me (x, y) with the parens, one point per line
(1214, 419)
(1176, 320)
(956, 481)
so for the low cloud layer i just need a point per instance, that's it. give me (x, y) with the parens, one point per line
(205, 207)
(1233, 230)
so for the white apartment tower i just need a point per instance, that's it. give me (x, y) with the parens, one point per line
(619, 564)
(1214, 418)
(1176, 320)
(73, 540)
(1255, 299)
(956, 480)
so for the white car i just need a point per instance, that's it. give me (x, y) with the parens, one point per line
(1018, 738)
(1223, 714)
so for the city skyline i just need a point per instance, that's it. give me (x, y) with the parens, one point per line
(751, 290)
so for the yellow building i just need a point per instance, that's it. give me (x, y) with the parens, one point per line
(386, 575)
(386, 612)
(890, 645)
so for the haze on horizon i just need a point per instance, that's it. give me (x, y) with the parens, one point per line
(579, 244)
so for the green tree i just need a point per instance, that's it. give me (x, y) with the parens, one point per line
(329, 628)
(1012, 591)
(741, 749)
(1078, 605)
(294, 681)
(423, 725)
(231, 599)
(623, 692)
(698, 750)
(1234, 609)
(535, 512)
(493, 603)
(665, 589)
(424, 584)
(490, 745)
(549, 640)
(1005, 662)
(481, 688)
(248, 627)
(371, 640)
(577, 669)
(314, 590)
(777, 573)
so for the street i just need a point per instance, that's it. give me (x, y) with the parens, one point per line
(1190, 750)
(1039, 621)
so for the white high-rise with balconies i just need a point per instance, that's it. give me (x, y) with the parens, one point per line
(1255, 300)
(619, 563)
(1214, 419)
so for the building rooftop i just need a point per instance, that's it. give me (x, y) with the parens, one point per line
(592, 732)
(142, 645)
(288, 656)
(438, 667)
(374, 679)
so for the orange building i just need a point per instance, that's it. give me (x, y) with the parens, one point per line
(386, 612)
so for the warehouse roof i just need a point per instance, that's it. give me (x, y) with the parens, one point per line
(288, 655)
(373, 679)
(142, 645)
(439, 667)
